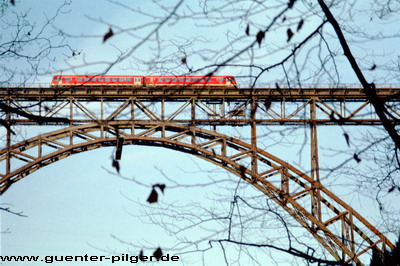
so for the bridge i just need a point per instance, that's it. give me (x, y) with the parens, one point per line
(187, 120)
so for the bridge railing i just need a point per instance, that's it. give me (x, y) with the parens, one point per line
(258, 85)
(318, 85)
(24, 85)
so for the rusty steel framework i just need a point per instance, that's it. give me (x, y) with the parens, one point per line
(176, 118)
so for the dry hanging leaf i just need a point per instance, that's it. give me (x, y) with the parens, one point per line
(115, 164)
(158, 253)
(291, 3)
(300, 25)
(260, 36)
(153, 197)
(289, 34)
(108, 35)
(355, 156)
(347, 137)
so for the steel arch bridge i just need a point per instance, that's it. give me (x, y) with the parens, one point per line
(174, 118)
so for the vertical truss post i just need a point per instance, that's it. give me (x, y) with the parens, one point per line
(8, 140)
(132, 116)
(383, 246)
(315, 198)
(163, 117)
(223, 147)
(351, 237)
(253, 137)
(40, 146)
(71, 117)
(344, 236)
(284, 182)
(40, 106)
(222, 109)
(193, 110)
(102, 109)
(162, 109)
(193, 118)
(102, 117)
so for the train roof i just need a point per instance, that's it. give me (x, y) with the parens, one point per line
(166, 76)
(189, 76)
(97, 76)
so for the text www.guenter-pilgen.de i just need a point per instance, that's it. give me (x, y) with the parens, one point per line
(89, 258)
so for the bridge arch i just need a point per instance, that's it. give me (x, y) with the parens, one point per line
(293, 190)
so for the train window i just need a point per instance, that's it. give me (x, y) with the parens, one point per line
(160, 79)
(121, 79)
(68, 79)
(101, 79)
(187, 79)
(128, 79)
(114, 79)
(94, 79)
(107, 79)
(174, 80)
(202, 80)
(208, 79)
(181, 79)
(167, 79)
(86, 79)
(194, 79)
(79, 79)
(220, 79)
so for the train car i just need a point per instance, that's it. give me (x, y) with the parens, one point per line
(190, 81)
(148, 81)
(97, 80)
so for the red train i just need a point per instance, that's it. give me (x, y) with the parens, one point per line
(142, 81)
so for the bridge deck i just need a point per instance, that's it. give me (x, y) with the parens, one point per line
(92, 93)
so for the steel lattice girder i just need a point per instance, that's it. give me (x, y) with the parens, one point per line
(167, 117)
(294, 192)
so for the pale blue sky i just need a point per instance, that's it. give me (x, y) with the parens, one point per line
(75, 206)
